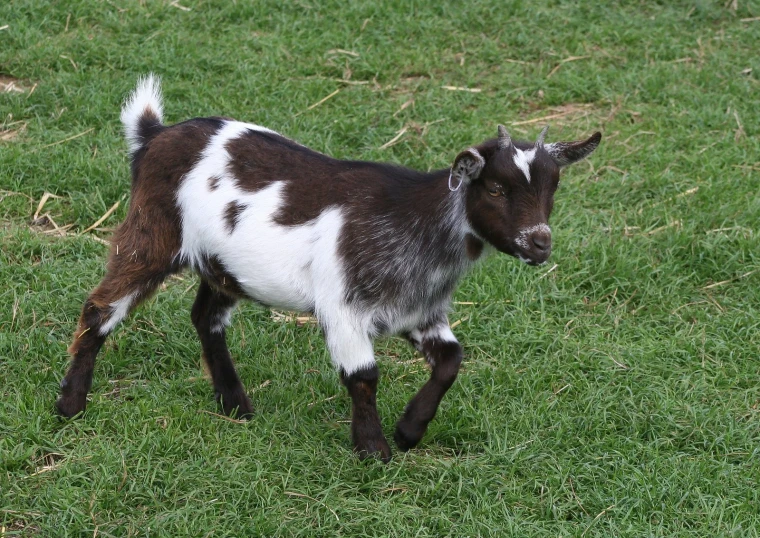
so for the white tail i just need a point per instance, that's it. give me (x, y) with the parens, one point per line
(144, 102)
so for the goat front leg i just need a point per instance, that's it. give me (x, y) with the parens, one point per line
(444, 354)
(353, 356)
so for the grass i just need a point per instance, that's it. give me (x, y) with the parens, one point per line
(612, 394)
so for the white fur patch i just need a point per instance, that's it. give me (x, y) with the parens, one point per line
(223, 320)
(272, 263)
(523, 159)
(347, 333)
(145, 98)
(119, 310)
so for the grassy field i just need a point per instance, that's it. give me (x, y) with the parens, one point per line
(612, 392)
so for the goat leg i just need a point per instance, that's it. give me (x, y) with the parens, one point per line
(445, 357)
(210, 315)
(366, 431)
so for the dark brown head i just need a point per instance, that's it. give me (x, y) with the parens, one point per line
(510, 190)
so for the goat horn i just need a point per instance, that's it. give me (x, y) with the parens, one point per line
(505, 140)
(541, 137)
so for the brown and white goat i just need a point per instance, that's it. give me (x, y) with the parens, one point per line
(371, 249)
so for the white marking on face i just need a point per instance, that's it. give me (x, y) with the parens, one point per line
(119, 310)
(523, 159)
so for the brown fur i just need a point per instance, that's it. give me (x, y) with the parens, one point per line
(213, 182)
(259, 159)
(232, 214)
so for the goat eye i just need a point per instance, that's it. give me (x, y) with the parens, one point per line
(494, 191)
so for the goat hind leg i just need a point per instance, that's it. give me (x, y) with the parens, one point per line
(210, 316)
(444, 354)
(122, 289)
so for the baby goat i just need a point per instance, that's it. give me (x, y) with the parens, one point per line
(371, 249)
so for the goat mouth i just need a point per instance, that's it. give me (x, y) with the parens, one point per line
(531, 259)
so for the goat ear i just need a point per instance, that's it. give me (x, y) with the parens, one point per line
(565, 153)
(467, 166)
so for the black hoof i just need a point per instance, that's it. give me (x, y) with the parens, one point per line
(407, 437)
(70, 406)
(236, 404)
(377, 449)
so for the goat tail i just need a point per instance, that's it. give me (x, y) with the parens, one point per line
(142, 113)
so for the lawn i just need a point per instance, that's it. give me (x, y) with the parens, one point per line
(611, 392)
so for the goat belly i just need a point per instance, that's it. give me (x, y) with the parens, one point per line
(230, 232)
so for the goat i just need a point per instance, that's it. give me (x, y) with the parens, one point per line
(371, 249)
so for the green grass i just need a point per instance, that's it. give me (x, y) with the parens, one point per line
(614, 394)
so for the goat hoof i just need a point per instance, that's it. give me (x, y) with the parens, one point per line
(407, 437)
(70, 406)
(240, 412)
(236, 404)
(377, 449)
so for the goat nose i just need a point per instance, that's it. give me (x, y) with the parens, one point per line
(542, 241)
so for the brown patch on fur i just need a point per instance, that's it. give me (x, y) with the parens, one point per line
(312, 181)
(251, 163)
(232, 214)
(213, 182)
(474, 247)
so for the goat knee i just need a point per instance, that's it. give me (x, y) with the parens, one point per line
(446, 362)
